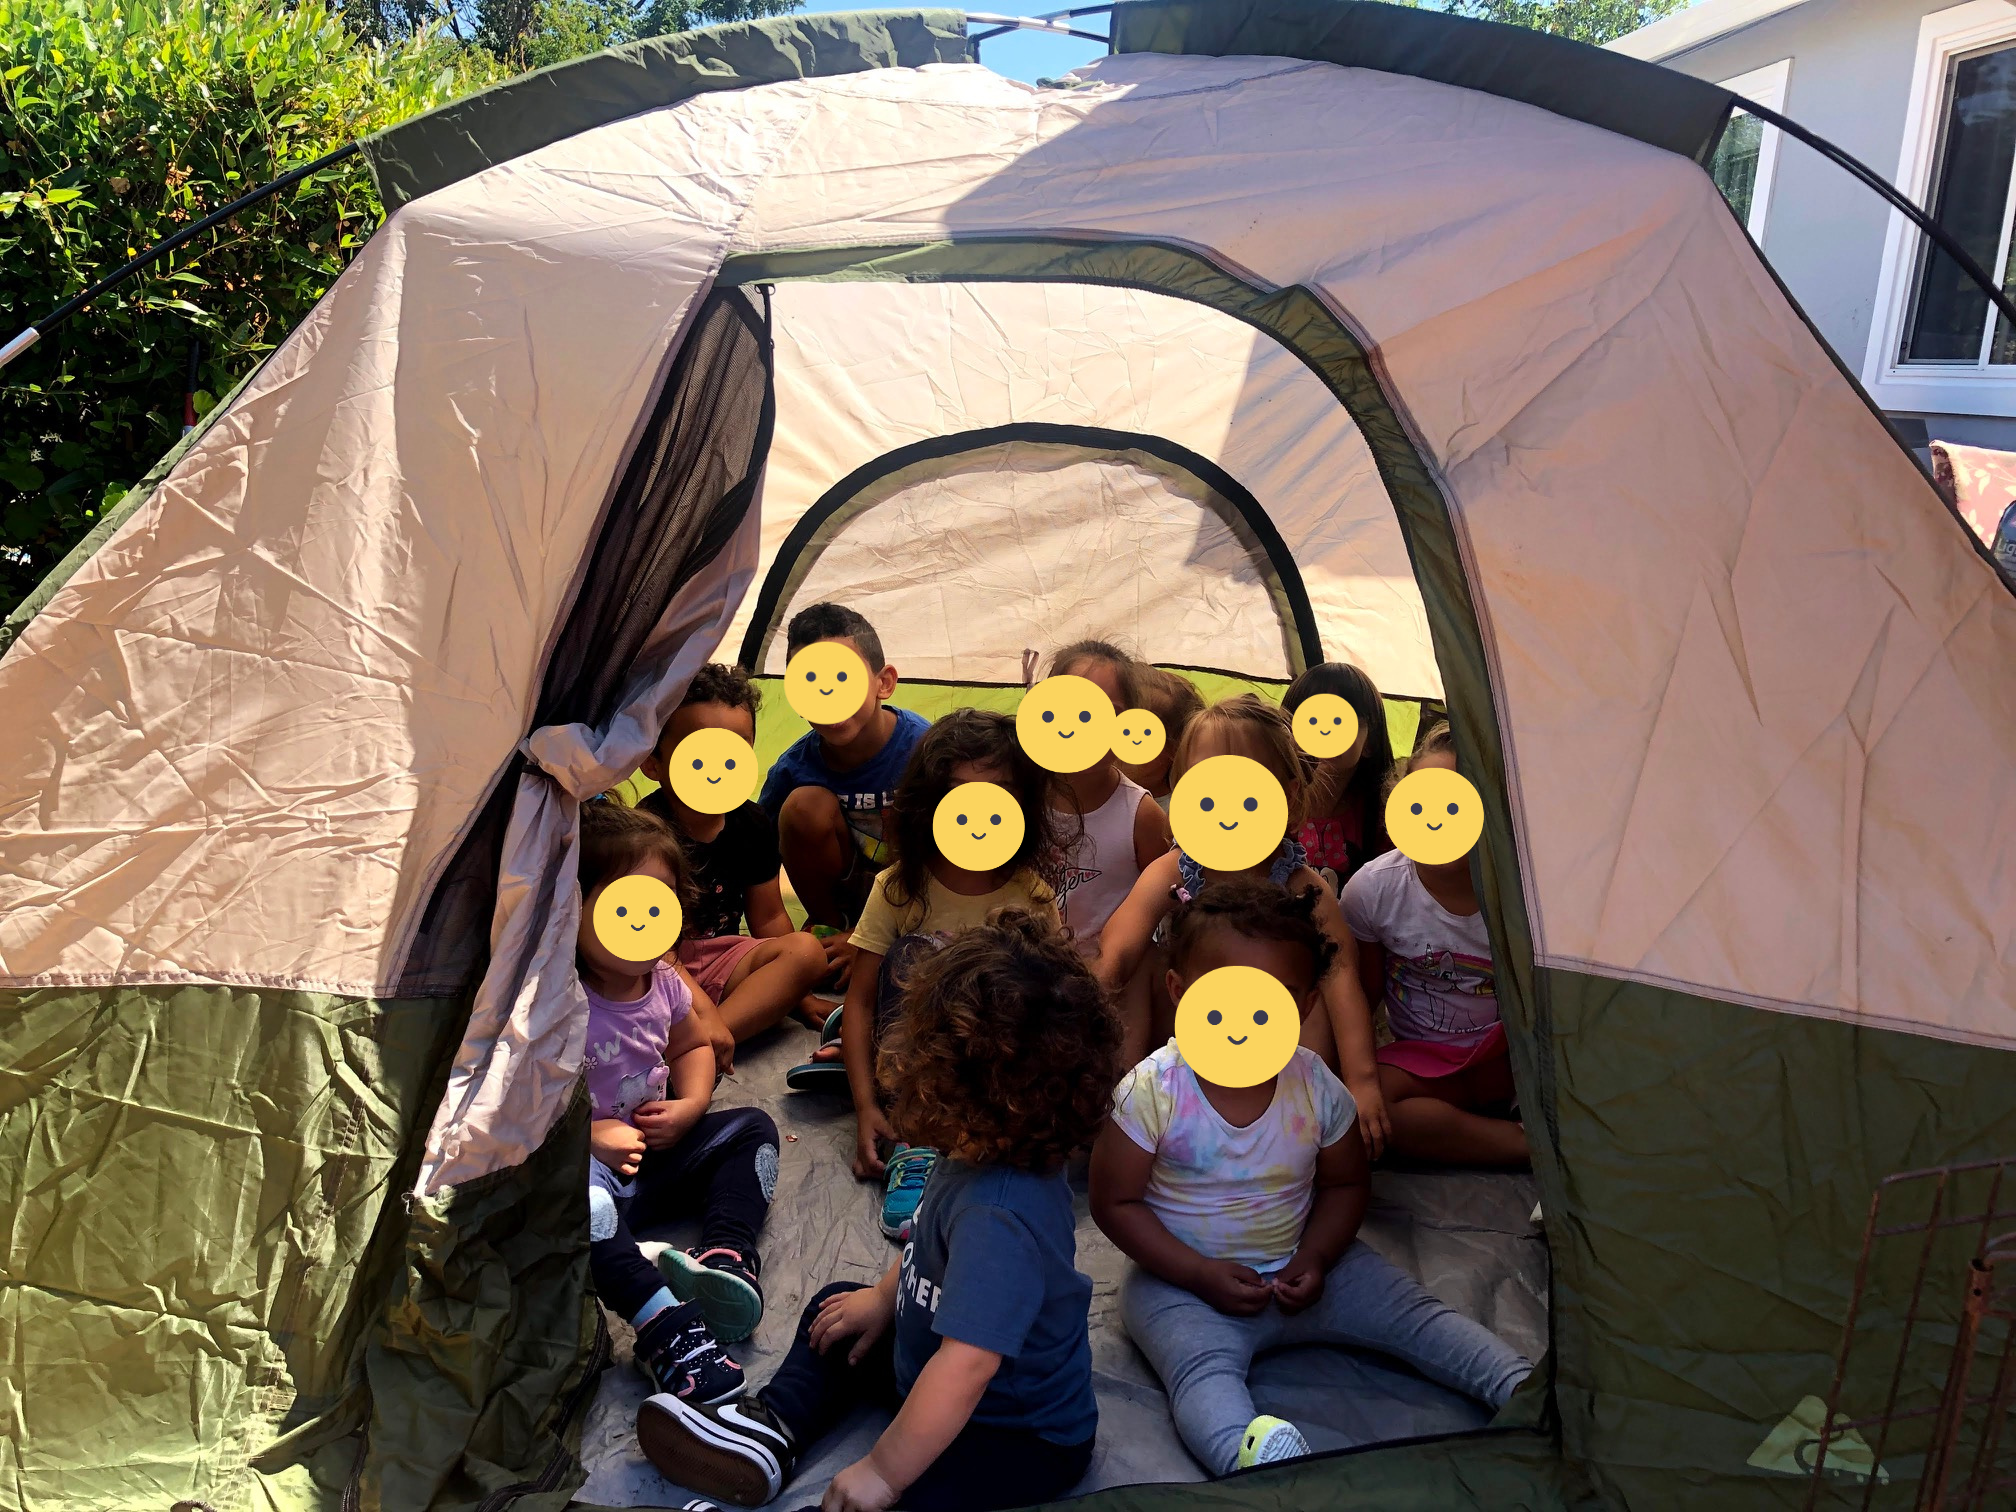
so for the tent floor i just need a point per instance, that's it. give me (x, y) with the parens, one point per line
(1465, 1234)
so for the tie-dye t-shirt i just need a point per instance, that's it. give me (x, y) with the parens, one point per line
(1438, 964)
(1233, 1194)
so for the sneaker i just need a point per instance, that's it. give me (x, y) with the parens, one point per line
(1269, 1439)
(723, 1281)
(680, 1356)
(739, 1451)
(909, 1169)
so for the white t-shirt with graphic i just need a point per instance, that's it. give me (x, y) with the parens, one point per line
(1229, 1193)
(1438, 964)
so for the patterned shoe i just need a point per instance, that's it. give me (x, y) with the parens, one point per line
(1269, 1439)
(738, 1451)
(723, 1281)
(909, 1169)
(680, 1356)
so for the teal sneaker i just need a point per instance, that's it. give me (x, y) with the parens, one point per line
(909, 1169)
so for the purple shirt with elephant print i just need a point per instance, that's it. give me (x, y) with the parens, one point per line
(625, 1064)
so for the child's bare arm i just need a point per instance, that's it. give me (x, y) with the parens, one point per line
(937, 1409)
(1127, 933)
(713, 1028)
(857, 1050)
(1343, 1189)
(1351, 1023)
(1120, 1171)
(1151, 833)
(764, 905)
(691, 1087)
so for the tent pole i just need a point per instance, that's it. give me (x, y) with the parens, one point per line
(34, 333)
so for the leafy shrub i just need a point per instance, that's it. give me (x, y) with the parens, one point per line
(124, 120)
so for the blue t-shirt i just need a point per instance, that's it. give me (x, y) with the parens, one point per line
(863, 793)
(992, 1262)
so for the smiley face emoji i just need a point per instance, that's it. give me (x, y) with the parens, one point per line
(1141, 736)
(1325, 725)
(1228, 813)
(826, 683)
(978, 826)
(1237, 1026)
(712, 771)
(637, 918)
(1434, 816)
(1065, 723)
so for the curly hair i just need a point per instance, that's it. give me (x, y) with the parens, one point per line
(1006, 1051)
(965, 735)
(1258, 729)
(719, 682)
(1256, 910)
(616, 840)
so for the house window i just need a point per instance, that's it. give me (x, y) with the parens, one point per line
(1970, 183)
(1748, 152)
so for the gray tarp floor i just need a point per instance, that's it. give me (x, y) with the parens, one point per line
(1466, 1235)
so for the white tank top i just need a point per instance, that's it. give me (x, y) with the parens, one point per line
(1099, 870)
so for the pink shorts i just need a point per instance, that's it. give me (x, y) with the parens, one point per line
(1429, 1059)
(711, 962)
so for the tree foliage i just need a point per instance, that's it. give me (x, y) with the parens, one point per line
(1596, 21)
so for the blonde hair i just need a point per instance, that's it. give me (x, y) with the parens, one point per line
(1261, 730)
(1435, 739)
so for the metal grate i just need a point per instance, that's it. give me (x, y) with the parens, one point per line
(1918, 1415)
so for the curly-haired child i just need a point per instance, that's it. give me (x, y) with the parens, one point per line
(1240, 1207)
(1003, 1057)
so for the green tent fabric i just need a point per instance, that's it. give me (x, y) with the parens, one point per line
(289, 1120)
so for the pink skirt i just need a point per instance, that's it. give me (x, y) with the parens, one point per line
(1429, 1059)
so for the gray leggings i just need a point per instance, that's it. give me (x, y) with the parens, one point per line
(1203, 1355)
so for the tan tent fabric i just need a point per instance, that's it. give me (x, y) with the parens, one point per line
(1030, 543)
(864, 368)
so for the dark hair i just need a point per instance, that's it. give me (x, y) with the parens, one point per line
(1082, 651)
(722, 683)
(1006, 1050)
(1257, 910)
(978, 735)
(1170, 697)
(616, 840)
(819, 622)
(1367, 783)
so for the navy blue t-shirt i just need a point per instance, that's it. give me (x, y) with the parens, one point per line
(992, 1262)
(863, 793)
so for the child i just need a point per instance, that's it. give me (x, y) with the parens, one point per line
(753, 979)
(656, 1149)
(1240, 1207)
(918, 903)
(1173, 699)
(1248, 726)
(1425, 949)
(828, 792)
(1345, 825)
(979, 1334)
(1115, 829)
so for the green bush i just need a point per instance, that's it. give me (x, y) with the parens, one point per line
(123, 121)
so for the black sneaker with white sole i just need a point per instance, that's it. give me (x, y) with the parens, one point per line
(739, 1451)
(679, 1354)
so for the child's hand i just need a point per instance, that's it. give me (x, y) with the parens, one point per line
(1299, 1283)
(871, 1130)
(839, 950)
(1232, 1288)
(722, 1039)
(859, 1488)
(617, 1145)
(664, 1124)
(863, 1316)
(1375, 1119)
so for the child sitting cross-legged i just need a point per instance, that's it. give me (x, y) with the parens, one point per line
(657, 1152)
(978, 1337)
(1240, 1207)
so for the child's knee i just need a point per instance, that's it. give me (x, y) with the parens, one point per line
(808, 817)
(806, 956)
(753, 1128)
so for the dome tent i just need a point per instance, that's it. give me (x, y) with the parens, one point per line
(1373, 333)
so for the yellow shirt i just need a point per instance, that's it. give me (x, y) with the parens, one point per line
(943, 912)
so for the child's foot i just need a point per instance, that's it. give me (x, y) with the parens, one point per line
(723, 1281)
(738, 1451)
(909, 1169)
(1269, 1439)
(680, 1356)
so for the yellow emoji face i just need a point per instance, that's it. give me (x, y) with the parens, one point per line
(1325, 725)
(826, 683)
(1237, 1026)
(712, 771)
(1141, 737)
(1228, 813)
(1065, 723)
(637, 918)
(978, 826)
(1434, 816)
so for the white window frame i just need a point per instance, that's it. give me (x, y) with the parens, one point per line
(1918, 387)
(1766, 86)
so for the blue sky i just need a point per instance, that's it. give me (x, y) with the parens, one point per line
(1020, 55)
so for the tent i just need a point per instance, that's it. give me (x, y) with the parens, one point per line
(1293, 329)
